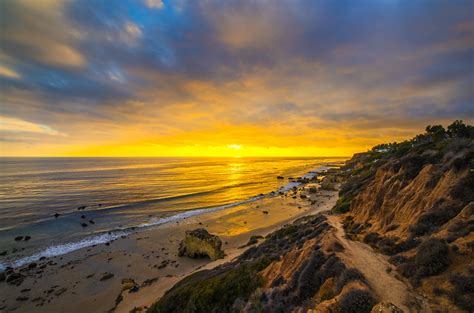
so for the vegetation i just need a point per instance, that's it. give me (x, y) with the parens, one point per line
(237, 284)
(463, 291)
(357, 301)
(199, 293)
(343, 205)
(432, 257)
(442, 212)
(407, 158)
(350, 274)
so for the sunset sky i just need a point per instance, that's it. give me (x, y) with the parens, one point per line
(229, 78)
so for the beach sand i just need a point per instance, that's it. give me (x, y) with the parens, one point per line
(76, 282)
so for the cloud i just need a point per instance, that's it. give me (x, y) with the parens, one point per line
(263, 72)
(37, 32)
(154, 4)
(8, 72)
(9, 124)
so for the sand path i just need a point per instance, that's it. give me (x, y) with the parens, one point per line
(374, 267)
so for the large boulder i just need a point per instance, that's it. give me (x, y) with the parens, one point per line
(199, 243)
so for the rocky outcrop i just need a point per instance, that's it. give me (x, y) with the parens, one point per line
(199, 243)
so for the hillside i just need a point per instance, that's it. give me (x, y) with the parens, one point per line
(414, 202)
(399, 239)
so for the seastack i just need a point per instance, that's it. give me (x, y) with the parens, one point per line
(199, 243)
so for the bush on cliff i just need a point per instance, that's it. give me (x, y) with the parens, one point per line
(348, 275)
(343, 205)
(463, 292)
(356, 301)
(442, 212)
(432, 258)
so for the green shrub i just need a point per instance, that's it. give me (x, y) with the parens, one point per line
(199, 293)
(343, 205)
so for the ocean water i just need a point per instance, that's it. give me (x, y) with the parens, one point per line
(123, 195)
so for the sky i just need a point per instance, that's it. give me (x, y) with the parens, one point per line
(229, 78)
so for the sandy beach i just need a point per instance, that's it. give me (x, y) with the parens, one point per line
(92, 279)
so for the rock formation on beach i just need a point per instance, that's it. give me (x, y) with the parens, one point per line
(199, 243)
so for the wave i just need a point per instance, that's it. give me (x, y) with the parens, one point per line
(61, 249)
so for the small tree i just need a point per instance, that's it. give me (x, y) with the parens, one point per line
(459, 129)
(436, 132)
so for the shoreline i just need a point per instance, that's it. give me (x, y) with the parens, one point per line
(62, 249)
(75, 282)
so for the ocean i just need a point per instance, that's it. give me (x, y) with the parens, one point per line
(64, 204)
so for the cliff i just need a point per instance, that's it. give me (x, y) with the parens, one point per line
(414, 202)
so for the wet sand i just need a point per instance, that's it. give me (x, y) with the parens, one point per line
(90, 279)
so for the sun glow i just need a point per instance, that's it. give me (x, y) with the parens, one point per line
(234, 146)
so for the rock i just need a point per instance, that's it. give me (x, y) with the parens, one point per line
(265, 212)
(22, 298)
(134, 289)
(84, 225)
(128, 283)
(91, 222)
(3, 253)
(386, 307)
(32, 265)
(150, 281)
(280, 177)
(2, 276)
(60, 291)
(15, 279)
(106, 276)
(199, 243)
(18, 238)
(83, 216)
(27, 238)
(56, 215)
(37, 299)
(254, 239)
(163, 264)
(81, 208)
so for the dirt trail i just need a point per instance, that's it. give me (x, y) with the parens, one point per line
(374, 267)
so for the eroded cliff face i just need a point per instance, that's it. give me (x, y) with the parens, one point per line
(418, 208)
(389, 202)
